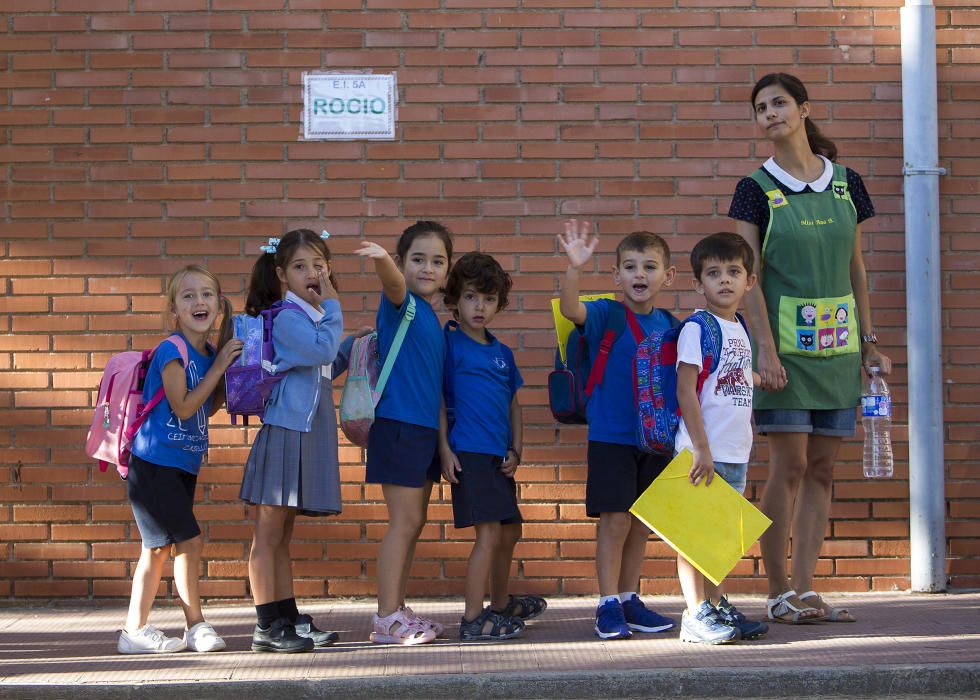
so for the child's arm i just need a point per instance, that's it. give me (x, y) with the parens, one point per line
(186, 403)
(448, 458)
(392, 280)
(342, 360)
(513, 460)
(690, 405)
(579, 249)
(299, 343)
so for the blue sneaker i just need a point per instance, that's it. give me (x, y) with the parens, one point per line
(641, 619)
(610, 623)
(747, 629)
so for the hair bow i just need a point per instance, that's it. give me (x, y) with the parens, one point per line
(325, 234)
(271, 247)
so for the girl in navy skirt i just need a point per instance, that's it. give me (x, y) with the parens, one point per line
(292, 467)
(402, 454)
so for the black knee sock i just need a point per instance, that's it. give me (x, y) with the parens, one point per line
(267, 613)
(288, 609)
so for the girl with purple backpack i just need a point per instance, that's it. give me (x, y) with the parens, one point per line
(292, 467)
(166, 457)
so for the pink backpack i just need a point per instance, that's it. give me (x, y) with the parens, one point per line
(119, 411)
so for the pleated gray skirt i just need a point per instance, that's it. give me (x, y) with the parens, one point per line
(299, 470)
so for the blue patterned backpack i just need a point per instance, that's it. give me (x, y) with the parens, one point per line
(655, 376)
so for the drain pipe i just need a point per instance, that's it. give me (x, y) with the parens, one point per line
(927, 501)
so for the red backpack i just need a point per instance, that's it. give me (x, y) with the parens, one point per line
(119, 411)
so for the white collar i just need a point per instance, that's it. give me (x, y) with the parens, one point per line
(314, 312)
(818, 185)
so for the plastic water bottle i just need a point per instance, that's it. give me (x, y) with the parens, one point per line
(876, 414)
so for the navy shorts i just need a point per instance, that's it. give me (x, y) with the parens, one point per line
(833, 422)
(402, 454)
(483, 494)
(163, 503)
(617, 475)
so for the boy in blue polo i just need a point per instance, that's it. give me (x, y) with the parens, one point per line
(618, 471)
(480, 447)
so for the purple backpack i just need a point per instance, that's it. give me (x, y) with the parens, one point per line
(250, 381)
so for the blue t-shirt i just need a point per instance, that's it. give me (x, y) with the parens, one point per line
(485, 379)
(414, 390)
(165, 439)
(611, 410)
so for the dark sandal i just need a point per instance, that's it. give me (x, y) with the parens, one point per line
(501, 627)
(524, 607)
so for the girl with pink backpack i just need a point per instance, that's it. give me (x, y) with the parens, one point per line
(166, 456)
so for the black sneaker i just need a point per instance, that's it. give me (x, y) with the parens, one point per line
(305, 628)
(747, 629)
(280, 637)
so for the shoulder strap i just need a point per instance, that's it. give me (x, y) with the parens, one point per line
(160, 393)
(710, 337)
(616, 322)
(741, 319)
(396, 344)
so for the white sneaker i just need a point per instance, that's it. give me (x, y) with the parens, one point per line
(202, 637)
(148, 640)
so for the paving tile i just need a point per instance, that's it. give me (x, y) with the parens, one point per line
(52, 646)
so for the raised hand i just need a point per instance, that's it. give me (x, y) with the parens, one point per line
(371, 250)
(577, 242)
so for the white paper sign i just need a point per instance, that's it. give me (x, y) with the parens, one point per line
(348, 106)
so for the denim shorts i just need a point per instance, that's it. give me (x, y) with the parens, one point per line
(733, 473)
(833, 422)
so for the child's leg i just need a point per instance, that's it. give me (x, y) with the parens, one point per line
(692, 584)
(634, 554)
(500, 567)
(406, 516)
(480, 565)
(407, 570)
(146, 581)
(187, 562)
(614, 529)
(284, 562)
(270, 526)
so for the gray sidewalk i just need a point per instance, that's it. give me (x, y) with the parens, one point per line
(902, 646)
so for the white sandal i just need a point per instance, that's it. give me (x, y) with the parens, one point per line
(424, 621)
(407, 633)
(779, 607)
(830, 613)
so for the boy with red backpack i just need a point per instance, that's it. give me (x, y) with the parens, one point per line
(618, 471)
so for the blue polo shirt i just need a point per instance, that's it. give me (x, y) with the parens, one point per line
(414, 390)
(485, 379)
(611, 410)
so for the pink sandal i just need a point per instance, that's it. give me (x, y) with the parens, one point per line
(398, 628)
(424, 621)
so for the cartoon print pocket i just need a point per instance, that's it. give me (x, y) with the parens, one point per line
(817, 326)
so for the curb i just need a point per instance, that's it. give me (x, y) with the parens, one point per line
(945, 680)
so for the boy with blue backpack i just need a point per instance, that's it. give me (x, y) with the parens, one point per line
(714, 392)
(618, 471)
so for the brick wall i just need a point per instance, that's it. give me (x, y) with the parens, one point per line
(140, 135)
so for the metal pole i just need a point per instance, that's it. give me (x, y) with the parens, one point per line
(927, 499)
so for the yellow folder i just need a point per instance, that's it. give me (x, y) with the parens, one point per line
(563, 326)
(711, 526)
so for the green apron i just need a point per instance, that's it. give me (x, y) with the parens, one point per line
(806, 280)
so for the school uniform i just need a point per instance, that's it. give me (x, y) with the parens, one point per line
(618, 470)
(293, 461)
(166, 454)
(481, 382)
(402, 445)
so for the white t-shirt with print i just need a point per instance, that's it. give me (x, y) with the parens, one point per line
(726, 397)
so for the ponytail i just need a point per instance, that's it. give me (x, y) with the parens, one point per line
(227, 326)
(819, 143)
(264, 286)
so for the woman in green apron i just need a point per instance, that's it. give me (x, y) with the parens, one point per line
(811, 322)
